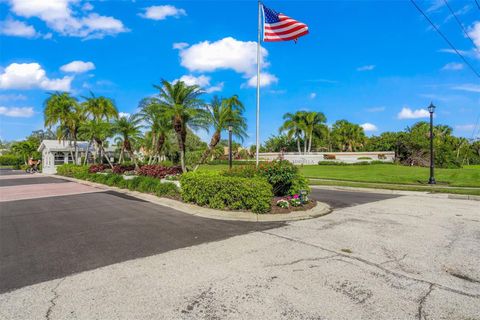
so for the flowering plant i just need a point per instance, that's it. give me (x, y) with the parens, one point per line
(282, 203)
(295, 201)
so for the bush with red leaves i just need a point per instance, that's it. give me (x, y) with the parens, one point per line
(158, 171)
(121, 168)
(94, 168)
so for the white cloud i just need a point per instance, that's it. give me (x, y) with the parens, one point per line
(17, 28)
(227, 53)
(266, 79)
(23, 112)
(202, 81)
(29, 76)
(180, 45)
(465, 127)
(77, 66)
(60, 16)
(366, 68)
(376, 109)
(162, 12)
(470, 87)
(453, 66)
(369, 127)
(12, 97)
(474, 33)
(407, 113)
(124, 114)
(87, 7)
(313, 95)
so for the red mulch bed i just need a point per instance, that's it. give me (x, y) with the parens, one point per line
(277, 210)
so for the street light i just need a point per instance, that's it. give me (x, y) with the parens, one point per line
(230, 128)
(431, 180)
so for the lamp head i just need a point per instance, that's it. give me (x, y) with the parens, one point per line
(431, 108)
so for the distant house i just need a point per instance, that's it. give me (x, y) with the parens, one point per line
(55, 153)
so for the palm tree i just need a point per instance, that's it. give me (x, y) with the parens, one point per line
(348, 136)
(184, 107)
(63, 110)
(99, 109)
(97, 132)
(294, 126)
(25, 149)
(222, 114)
(129, 130)
(312, 120)
(155, 115)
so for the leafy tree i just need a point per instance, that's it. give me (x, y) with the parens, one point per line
(25, 149)
(97, 131)
(279, 143)
(185, 108)
(312, 120)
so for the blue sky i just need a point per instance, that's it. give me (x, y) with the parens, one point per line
(375, 63)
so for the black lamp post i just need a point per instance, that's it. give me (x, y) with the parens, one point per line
(431, 180)
(230, 128)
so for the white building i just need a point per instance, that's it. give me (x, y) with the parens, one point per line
(55, 153)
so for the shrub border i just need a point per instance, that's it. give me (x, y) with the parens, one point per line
(319, 210)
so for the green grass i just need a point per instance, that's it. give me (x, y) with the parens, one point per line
(475, 192)
(392, 177)
(395, 174)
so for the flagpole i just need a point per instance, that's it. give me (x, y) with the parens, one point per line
(258, 80)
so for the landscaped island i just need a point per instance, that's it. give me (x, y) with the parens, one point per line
(276, 184)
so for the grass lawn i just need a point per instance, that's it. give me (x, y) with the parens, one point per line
(385, 176)
(395, 174)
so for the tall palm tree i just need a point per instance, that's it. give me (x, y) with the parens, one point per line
(63, 110)
(312, 120)
(99, 109)
(185, 109)
(294, 126)
(220, 115)
(157, 117)
(129, 130)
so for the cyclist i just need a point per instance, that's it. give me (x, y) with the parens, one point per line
(33, 164)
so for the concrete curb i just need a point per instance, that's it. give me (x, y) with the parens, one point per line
(319, 210)
(401, 192)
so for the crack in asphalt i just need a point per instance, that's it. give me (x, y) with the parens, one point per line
(420, 314)
(54, 298)
(377, 265)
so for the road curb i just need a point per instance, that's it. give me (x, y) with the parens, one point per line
(319, 210)
(401, 192)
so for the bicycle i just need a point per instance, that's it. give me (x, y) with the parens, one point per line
(32, 170)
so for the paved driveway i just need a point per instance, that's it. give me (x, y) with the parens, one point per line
(409, 257)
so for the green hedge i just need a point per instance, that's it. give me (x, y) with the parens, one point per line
(11, 160)
(140, 183)
(360, 163)
(71, 170)
(214, 190)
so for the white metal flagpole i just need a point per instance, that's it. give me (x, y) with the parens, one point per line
(258, 79)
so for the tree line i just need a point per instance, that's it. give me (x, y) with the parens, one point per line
(305, 132)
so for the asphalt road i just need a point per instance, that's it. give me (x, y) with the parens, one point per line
(342, 199)
(48, 238)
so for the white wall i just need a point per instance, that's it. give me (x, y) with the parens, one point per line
(315, 157)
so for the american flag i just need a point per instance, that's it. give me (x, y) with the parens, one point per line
(279, 27)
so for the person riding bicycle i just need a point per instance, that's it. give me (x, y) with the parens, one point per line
(33, 164)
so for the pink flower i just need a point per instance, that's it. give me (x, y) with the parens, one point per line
(295, 196)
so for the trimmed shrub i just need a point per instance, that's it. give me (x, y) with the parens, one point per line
(158, 171)
(11, 160)
(364, 158)
(214, 190)
(94, 168)
(298, 184)
(71, 170)
(120, 168)
(280, 174)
